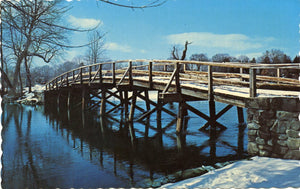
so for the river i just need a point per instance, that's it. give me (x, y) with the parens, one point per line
(47, 148)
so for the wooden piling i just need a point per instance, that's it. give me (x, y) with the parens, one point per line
(69, 100)
(212, 115)
(103, 102)
(126, 103)
(146, 93)
(83, 100)
(158, 111)
(253, 82)
(240, 115)
(180, 117)
(132, 107)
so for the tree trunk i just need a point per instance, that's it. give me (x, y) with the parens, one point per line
(7, 81)
(28, 75)
(21, 85)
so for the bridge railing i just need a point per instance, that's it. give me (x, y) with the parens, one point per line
(210, 73)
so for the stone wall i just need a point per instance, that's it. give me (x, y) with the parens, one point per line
(273, 130)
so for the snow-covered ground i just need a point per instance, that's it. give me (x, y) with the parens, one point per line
(33, 97)
(259, 172)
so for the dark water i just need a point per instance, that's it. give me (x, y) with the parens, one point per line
(44, 147)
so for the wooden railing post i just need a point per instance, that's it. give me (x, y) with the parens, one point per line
(67, 79)
(241, 72)
(114, 73)
(210, 84)
(165, 68)
(177, 77)
(100, 73)
(253, 82)
(150, 75)
(81, 79)
(130, 73)
(90, 73)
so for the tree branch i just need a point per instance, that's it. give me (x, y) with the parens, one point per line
(155, 3)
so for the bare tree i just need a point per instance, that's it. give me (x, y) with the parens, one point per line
(137, 4)
(96, 47)
(243, 58)
(33, 29)
(200, 57)
(175, 52)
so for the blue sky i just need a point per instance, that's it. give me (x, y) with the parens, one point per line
(237, 27)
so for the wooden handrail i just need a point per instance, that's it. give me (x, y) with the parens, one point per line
(86, 72)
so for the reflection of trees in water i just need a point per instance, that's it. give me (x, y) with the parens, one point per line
(23, 159)
(106, 143)
(22, 165)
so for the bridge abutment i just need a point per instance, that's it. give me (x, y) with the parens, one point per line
(274, 127)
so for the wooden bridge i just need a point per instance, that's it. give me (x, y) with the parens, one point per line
(236, 84)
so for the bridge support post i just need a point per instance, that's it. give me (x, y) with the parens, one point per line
(240, 115)
(158, 111)
(83, 98)
(103, 102)
(182, 112)
(126, 103)
(69, 100)
(147, 100)
(212, 114)
(132, 107)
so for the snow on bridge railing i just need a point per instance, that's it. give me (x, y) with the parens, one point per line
(94, 72)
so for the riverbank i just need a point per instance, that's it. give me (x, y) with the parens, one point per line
(254, 173)
(36, 96)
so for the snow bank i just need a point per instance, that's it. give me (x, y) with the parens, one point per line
(258, 172)
(35, 97)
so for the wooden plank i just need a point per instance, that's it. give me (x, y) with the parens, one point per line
(170, 97)
(170, 81)
(204, 116)
(240, 115)
(132, 107)
(156, 104)
(114, 108)
(126, 72)
(210, 84)
(146, 93)
(148, 113)
(177, 78)
(114, 73)
(150, 75)
(130, 73)
(212, 120)
(222, 112)
(180, 117)
(253, 91)
(103, 103)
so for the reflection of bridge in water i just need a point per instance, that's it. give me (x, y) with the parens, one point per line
(107, 142)
(109, 85)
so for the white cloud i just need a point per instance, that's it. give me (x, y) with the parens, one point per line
(84, 23)
(117, 47)
(211, 40)
(143, 51)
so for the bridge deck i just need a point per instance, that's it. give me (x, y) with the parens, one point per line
(172, 78)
